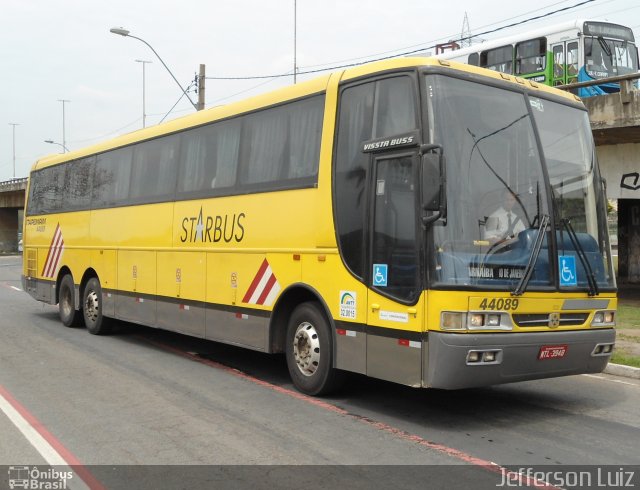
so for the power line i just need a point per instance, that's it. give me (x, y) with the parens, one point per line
(414, 51)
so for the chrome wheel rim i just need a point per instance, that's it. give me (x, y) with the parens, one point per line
(306, 348)
(92, 306)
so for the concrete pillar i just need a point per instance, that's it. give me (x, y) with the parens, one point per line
(8, 230)
(629, 241)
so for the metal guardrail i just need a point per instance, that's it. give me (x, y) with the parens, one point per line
(590, 83)
(12, 182)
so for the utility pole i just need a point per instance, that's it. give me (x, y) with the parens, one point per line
(201, 80)
(64, 136)
(14, 147)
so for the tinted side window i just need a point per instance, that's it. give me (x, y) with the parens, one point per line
(305, 132)
(282, 143)
(155, 166)
(355, 125)
(264, 146)
(395, 107)
(474, 59)
(78, 182)
(52, 181)
(36, 191)
(209, 157)
(112, 177)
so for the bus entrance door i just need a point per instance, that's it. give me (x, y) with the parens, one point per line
(395, 310)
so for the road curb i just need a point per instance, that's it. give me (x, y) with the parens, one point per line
(621, 370)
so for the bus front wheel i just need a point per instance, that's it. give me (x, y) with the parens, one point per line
(92, 308)
(69, 316)
(309, 350)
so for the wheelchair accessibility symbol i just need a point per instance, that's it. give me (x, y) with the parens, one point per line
(380, 274)
(568, 276)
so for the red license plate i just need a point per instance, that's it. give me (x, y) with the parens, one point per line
(552, 351)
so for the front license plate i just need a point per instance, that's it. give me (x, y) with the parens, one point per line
(552, 351)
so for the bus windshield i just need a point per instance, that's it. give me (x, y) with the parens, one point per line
(577, 193)
(496, 192)
(608, 57)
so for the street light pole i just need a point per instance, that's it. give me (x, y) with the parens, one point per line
(125, 33)
(295, 41)
(14, 147)
(144, 114)
(64, 137)
(51, 142)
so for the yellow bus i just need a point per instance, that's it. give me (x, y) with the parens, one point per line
(416, 220)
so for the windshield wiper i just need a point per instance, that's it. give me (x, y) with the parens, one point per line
(533, 258)
(591, 279)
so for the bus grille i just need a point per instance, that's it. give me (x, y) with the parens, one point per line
(542, 319)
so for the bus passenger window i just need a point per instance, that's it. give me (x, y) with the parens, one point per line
(572, 59)
(498, 59)
(474, 59)
(558, 61)
(531, 56)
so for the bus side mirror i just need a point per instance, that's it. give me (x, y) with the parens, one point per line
(433, 180)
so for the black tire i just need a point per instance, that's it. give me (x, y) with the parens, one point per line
(92, 308)
(309, 351)
(69, 316)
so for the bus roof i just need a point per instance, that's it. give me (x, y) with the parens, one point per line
(284, 94)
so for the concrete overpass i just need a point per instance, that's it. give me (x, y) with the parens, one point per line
(12, 196)
(615, 122)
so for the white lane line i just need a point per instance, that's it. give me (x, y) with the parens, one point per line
(50, 448)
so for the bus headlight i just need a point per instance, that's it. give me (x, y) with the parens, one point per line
(604, 318)
(452, 320)
(476, 320)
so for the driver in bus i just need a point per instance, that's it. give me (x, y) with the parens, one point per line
(503, 223)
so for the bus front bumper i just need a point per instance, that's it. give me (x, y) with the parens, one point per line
(468, 360)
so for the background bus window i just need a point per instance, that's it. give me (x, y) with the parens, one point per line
(498, 59)
(531, 56)
(474, 59)
(558, 64)
(572, 61)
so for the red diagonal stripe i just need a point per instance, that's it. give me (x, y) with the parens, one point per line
(55, 255)
(53, 239)
(56, 258)
(267, 289)
(256, 281)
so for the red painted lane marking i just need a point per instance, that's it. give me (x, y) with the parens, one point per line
(53, 441)
(511, 476)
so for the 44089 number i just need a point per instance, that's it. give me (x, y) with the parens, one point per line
(499, 304)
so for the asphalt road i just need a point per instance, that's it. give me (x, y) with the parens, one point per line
(133, 409)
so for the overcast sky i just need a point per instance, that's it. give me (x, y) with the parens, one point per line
(62, 49)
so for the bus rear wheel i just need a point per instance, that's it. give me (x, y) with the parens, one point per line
(92, 308)
(309, 350)
(69, 316)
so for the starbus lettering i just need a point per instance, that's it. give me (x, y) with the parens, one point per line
(212, 229)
